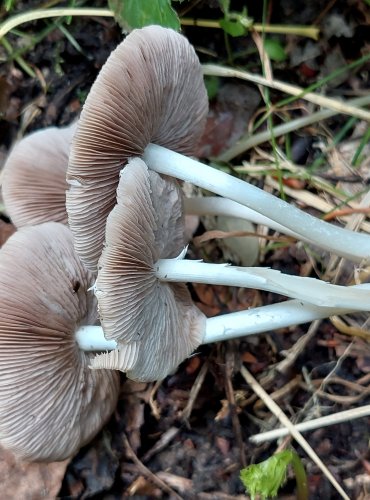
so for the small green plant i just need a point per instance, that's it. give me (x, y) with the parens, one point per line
(234, 23)
(265, 479)
(132, 14)
(274, 49)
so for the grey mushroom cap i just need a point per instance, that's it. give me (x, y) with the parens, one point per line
(34, 177)
(155, 324)
(51, 403)
(150, 89)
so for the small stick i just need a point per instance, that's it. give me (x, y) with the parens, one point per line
(146, 472)
(185, 415)
(336, 418)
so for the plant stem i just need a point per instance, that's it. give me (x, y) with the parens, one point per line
(320, 100)
(34, 15)
(308, 31)
(309, 290)
(250, 141)
(348, 244)
(300, 476)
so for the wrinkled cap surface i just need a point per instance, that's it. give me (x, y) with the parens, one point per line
(34, 183)
(150, 90)
(51, 403)
(155, 324)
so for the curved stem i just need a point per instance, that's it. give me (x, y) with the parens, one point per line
(215, 205)
(309, 290)
(33, 15)
(348, 244)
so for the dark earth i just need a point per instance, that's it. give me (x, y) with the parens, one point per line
(187, 437)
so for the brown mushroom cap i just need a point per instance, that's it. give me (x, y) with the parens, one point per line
(150, 90)
(155, 322)
(51, 403)
(34, 183)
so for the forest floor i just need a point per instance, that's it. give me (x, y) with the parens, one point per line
(189, 436)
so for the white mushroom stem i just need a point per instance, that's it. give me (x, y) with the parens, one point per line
(348, 244)
(263, 319)
(91, 338)
(230, 326)
(310, 290)
(215, 205)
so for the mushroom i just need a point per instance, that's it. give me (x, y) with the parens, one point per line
(143, 302)
(51, 403)
(34, 182)
(135, 307)
(151, 90)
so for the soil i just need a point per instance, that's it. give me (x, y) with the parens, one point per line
(188, 437)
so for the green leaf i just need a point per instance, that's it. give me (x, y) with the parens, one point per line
(233, 27)
(274, 50)
(212, 84)
(132, 14)
(265, 478)
(225, 6)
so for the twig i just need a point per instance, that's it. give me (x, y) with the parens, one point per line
(185, 415)
(284, 420)
(162, 442)
(152, 403)
(146, 472)
(316, 423)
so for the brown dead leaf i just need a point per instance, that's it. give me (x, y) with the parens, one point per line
(192, 365)
(29, 481)
(206, 294)
(247, 357)
(228, 118)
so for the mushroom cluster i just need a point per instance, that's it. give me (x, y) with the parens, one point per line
(125, 208)
(149, 101)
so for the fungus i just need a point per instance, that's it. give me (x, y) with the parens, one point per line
(51, 403)
(150, 94)
(34, 182)
(150, 89)
(143, 302)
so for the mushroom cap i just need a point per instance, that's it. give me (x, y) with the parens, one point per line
(34, 183)
(51, 403)
(155, 324)
(150, 89)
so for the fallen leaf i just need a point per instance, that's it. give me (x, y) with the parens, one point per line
(247, 357)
